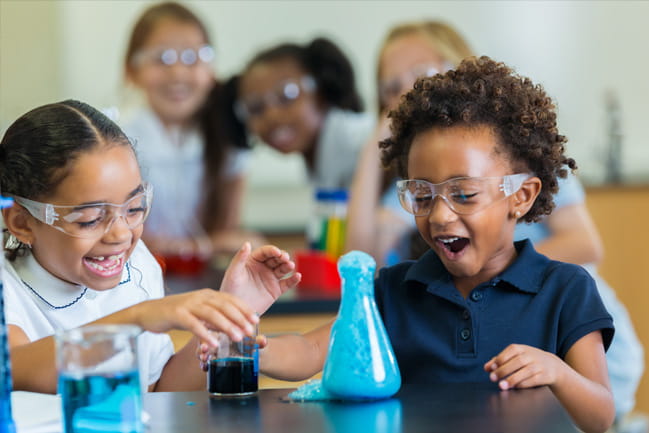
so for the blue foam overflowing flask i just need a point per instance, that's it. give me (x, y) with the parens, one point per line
(360, 363)
(6, 420)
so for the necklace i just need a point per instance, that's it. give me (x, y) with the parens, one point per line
(54, 306)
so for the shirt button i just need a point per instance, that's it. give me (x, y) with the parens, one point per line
(465, 334)
(476, 296)
(466, 315)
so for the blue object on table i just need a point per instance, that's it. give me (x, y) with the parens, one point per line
(6, 419)
(361, 364)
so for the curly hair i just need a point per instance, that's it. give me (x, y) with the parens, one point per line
(483, 92)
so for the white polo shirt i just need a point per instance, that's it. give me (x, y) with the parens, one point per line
(40, 304)
(172, 161)
(344, 133)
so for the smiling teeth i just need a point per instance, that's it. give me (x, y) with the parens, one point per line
(449, 240)
(113, 257)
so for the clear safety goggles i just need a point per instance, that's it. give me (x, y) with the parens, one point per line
(283, 95)
(393, 87)
(91, 220)
(171, 56)
(463, 195)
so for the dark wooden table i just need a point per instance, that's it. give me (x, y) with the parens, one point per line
(448, 408)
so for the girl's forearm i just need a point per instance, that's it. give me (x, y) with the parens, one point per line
(34, 366)
(182, 371)
(295, 357)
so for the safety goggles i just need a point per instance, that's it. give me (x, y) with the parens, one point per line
(393, 87)
(171, 56)
(283, 95)
(463, 195)
(91, 220)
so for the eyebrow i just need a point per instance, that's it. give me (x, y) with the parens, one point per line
(139, 189)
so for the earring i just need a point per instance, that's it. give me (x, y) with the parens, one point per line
(517, 214)
(12, 243)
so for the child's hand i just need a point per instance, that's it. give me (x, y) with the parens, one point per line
(261, 276)
(521, 366)
(199, 312)
(203, 351)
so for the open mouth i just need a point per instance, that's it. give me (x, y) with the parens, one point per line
(453, 246)
(281, 138)
(105, 266)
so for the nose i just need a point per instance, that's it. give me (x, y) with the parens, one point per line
(178, 69)
(118, 230)
(440, 211)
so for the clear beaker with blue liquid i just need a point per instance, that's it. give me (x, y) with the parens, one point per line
(99, 379)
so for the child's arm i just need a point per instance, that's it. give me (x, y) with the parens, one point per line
(573, 236)
(580, 383)
(260, 277)
(371, 226)
(295, 357)
(199, 311)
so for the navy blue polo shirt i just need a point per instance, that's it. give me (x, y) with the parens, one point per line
(438, 336)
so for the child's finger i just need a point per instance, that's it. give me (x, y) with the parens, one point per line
(197, 327)
(283, 269)
(261, 341)
(244, 321)
(290, 282)
(508, 368)
(509, 352)
(523, 378)
(265, 253)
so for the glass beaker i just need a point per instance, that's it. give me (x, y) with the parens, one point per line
(99, 379)
(233, 368)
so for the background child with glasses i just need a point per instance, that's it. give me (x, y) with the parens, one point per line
(303, 98)
(376, 223)
(75, 255)
(182, 142)
(479, 307)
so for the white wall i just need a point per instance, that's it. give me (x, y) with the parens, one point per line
(577, 49)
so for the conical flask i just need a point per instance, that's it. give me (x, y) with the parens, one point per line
(360, 363)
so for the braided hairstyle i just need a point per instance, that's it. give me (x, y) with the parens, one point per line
(40, 147)
(483, 92)
(326, 63)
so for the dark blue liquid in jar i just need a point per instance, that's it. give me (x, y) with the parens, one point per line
(234, 376)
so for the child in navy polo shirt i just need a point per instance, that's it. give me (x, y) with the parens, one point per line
(479, 150)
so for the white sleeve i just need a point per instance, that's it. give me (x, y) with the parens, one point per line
(20, 310)
(154, 351)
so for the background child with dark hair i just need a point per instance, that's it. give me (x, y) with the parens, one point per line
(479, 151)
(303, 98)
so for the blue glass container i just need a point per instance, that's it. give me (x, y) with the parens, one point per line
(361, 364)
(6, 419)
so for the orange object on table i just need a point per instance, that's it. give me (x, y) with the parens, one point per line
(319, 272)
(181, 264)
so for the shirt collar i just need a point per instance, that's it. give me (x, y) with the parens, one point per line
(50, 289)
(524, 274)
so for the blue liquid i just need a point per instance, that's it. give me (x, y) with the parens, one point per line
(6, 420)
(361, 363)
(102, 403)
(232, 376)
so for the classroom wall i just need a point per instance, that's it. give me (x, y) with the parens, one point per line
(620, 214)
(578, 50)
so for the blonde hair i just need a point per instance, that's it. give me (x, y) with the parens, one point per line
(442, 37)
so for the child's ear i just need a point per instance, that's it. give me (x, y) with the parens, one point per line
(16, 219)
(525, 196)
